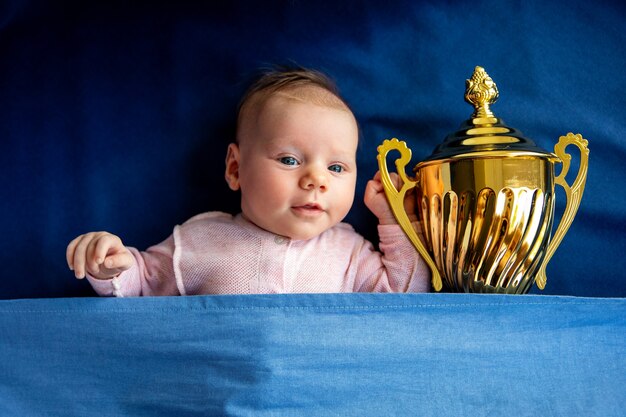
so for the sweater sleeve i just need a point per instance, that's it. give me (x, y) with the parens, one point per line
(400, 267)
(152, 274)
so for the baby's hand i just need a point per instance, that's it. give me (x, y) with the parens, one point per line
(376, 200)
(100, 254)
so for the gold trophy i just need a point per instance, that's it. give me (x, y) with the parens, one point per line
(485, 199)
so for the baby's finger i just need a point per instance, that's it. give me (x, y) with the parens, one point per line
(80, 253)
(119, 262)
(395, 179)
(374, 185)
(105, 245)
(92, 260)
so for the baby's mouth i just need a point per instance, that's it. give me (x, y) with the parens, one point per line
(308, 208)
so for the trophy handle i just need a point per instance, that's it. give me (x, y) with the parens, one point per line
(396, 198)
(573, 193)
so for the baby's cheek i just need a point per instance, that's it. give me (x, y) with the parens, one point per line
(345, 202)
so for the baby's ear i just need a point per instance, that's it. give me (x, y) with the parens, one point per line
(232, 166)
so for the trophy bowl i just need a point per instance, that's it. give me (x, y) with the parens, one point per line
(485, 200)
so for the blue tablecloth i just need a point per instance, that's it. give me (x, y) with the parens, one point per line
(314, 355)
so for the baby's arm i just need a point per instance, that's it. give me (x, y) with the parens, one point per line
(99, 254)
(113, 269)
(402, 269)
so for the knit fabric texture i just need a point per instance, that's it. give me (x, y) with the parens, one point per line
(217, 253)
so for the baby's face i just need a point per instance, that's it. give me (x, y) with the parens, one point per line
(297, 168)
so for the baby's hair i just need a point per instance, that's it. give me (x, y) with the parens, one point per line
(296, 83)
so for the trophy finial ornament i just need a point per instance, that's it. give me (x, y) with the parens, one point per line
(480, 92)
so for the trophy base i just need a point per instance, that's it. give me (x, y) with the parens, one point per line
(480, 287)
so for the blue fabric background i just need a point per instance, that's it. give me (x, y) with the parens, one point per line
(116, 116)
(314, 355)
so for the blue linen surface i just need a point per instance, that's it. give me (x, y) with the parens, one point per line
(314, 355)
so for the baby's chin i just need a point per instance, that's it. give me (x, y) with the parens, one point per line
(298, 231)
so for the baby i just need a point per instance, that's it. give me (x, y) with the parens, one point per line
(294, 162)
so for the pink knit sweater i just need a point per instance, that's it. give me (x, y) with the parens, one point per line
(216, 253)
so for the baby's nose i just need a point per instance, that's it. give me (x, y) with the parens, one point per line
(314, 179)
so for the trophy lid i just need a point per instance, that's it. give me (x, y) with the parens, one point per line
(484, 134)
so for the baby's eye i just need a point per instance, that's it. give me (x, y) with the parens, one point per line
(335, 168)
(288, 160)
